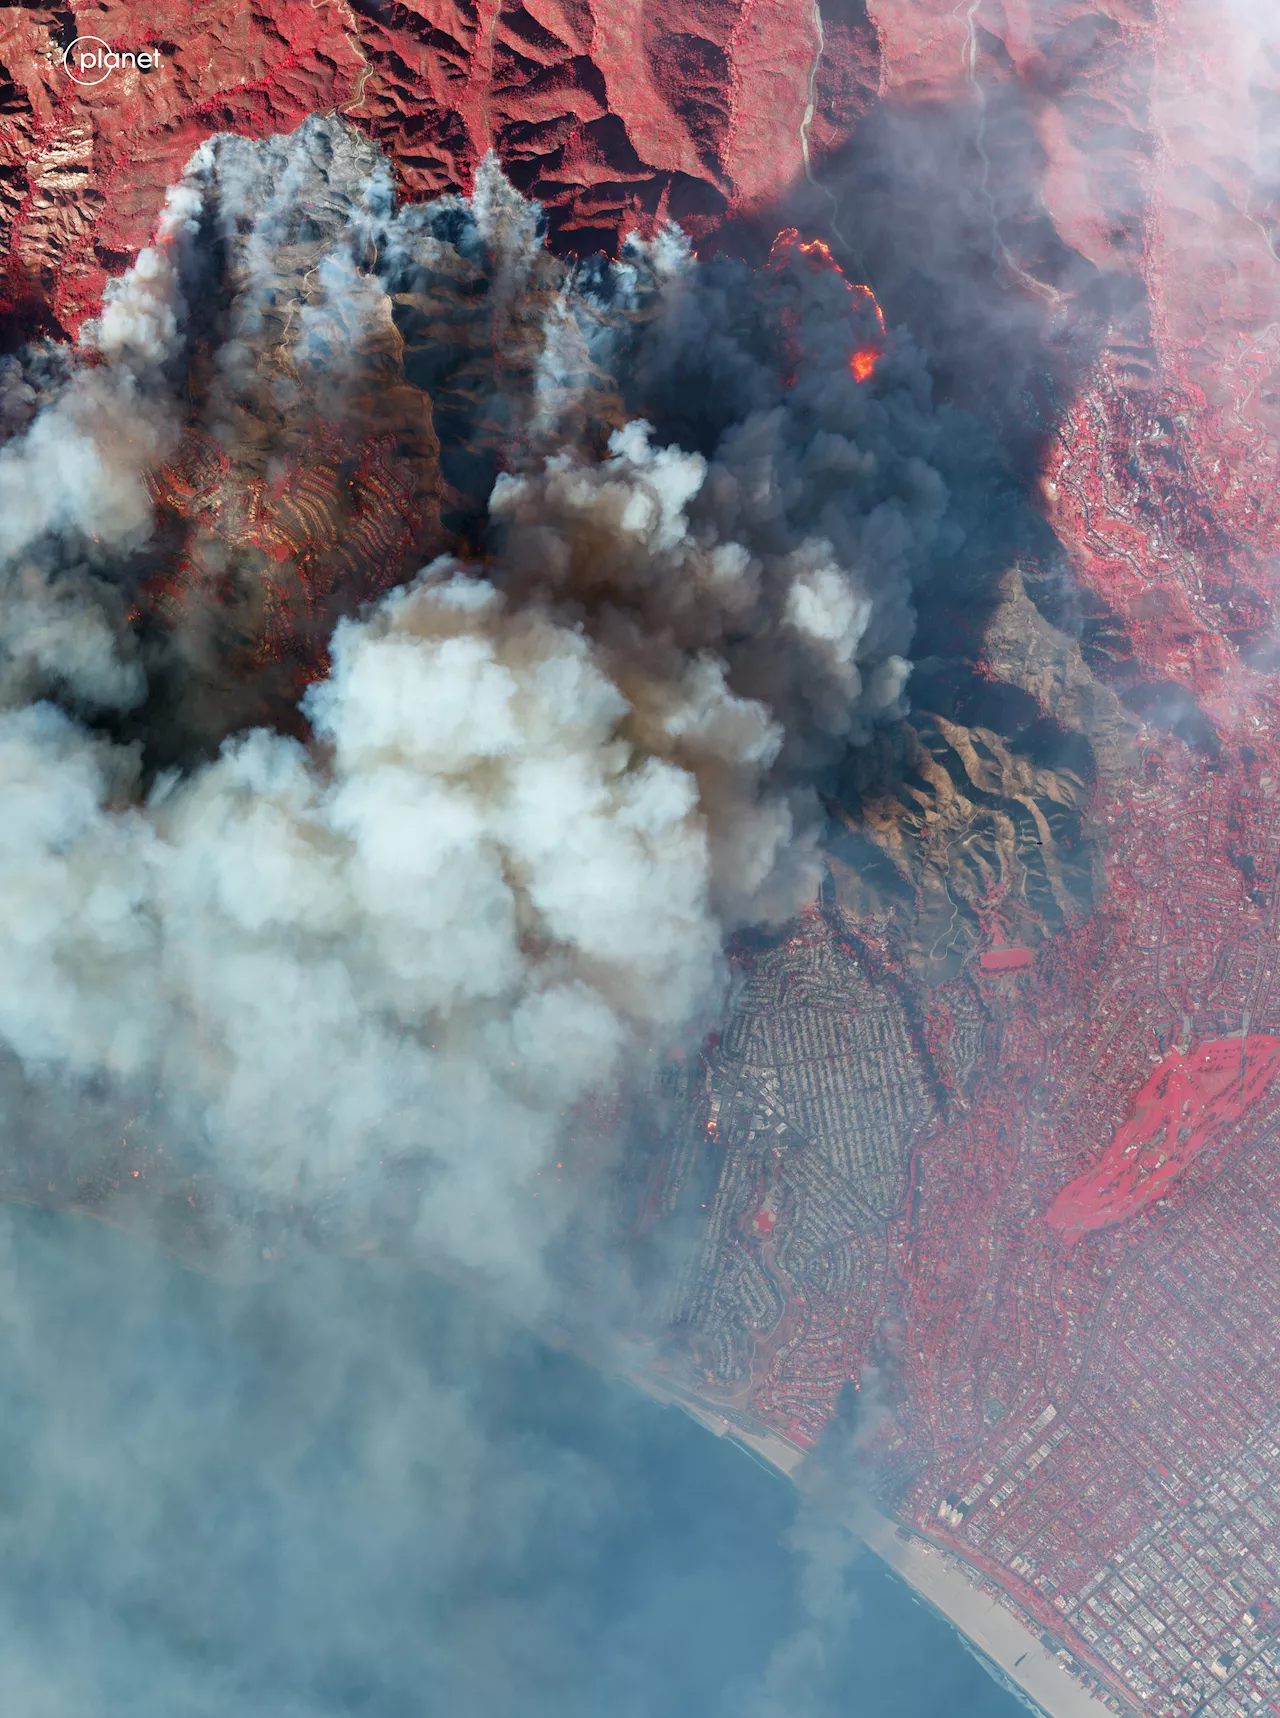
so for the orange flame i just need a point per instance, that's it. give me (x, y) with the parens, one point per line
(867, 294)
(817, 254)
(789, 246)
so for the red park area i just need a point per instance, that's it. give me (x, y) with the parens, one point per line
(1183, 1109)
(1005, 959)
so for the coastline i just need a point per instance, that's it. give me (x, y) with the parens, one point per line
(1009, 1651)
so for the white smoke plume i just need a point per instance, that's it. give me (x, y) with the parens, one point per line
(75, 478)
(510, 863)
(538, 792)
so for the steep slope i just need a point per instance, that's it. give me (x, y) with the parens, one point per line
(613, 117)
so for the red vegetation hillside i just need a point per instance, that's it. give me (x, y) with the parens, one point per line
(612, 116)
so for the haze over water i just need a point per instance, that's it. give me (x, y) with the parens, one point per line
(340, 1492)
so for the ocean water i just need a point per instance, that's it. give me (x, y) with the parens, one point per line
(340, 1492)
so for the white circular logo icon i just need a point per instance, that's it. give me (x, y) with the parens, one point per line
(88, 60)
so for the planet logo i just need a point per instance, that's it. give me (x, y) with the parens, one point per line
(89, 60)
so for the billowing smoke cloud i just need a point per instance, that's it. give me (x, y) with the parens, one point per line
(72, 489)
(511, 864)
(493, 867)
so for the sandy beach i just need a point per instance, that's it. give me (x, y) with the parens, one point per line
(1015, 1651)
